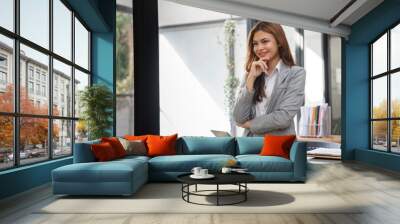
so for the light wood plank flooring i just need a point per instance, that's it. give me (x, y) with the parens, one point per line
(378, 189)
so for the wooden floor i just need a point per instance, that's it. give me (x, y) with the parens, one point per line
(377, 188)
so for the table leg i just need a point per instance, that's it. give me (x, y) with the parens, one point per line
(196, 188)
(182, 190)
(245, 193)
(217, 194)
(188, 192)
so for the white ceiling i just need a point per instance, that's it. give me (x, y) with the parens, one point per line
(172, 14)
(321, 9)
(313, 15)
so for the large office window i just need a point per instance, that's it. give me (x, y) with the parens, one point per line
(314, 65)
(385, 94)
(335, 82)
(124, 68)
(37, 66)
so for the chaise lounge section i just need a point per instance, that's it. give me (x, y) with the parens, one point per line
(88, 177)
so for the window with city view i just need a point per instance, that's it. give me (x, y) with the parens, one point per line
(385, 79)
(44, 64)
(124, 68)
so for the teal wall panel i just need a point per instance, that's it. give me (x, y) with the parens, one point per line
(102, 58)
(356, 83)
(376, 158)
(91, 13)
(356, 100)
(24, 178)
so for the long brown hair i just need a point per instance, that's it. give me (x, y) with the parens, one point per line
(283, 50)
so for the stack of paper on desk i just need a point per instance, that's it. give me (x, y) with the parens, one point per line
(329, 153)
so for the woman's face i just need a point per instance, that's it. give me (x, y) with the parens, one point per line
(265, 46)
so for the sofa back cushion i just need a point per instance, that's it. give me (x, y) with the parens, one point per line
(136, 137)
(161, 145)
(104, 152)
(116, 146)
(189, 145)
(134, 147)
(249, 145)
(83, 152)
(277, 145)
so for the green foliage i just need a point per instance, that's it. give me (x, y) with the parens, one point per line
(124, 44)
(96, 102)
(231, 81)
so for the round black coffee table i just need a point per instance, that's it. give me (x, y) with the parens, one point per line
(238, 179)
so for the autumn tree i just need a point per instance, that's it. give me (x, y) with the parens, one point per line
(6, 122)
(380, 127)
(33, 131)
(395, 123)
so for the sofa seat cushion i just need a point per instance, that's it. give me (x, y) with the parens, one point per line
(257, 163)
(133, 158)
(185, 163)
(112, 171)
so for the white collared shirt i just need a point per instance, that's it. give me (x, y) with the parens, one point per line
(270, 79)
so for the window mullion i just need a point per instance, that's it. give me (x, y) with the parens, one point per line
(371, 142)
(73, 82)
(50, 81)
(16, 85)
(389, 106)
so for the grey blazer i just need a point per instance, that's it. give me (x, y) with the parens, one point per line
(286, 99)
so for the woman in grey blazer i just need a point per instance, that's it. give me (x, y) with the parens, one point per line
(272, 91)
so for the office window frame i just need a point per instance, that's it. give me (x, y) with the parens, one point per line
(16, 62)
(388, 74)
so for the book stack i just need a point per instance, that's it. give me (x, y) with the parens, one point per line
(315, 121)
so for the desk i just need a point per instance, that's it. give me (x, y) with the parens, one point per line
(332, 141)
(325, 147)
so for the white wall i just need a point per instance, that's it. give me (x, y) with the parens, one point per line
(314, 66)
(171, 13)
(192, 75)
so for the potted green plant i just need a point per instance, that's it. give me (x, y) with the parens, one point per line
(96, 103)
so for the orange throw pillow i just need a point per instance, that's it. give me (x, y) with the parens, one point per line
(103, 151)
(134, 138)
(161, 145)
(116, 145)
(277, 145)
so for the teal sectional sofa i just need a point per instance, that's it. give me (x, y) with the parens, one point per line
(125, 176)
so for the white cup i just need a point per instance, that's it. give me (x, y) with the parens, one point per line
(226, 170)
(196, 171)
(203, 172)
